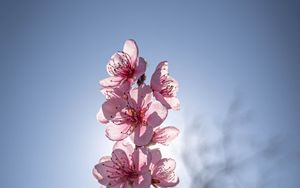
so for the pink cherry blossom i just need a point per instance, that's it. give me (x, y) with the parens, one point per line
(127, 168)
(162, 170)
(165, 88)
(124, 67)
(135, 114)
(165, 135)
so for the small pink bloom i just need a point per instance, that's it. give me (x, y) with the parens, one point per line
(124, 67)
(165, 135)
(133, 113)
(127, 167)
(162, 170)
(165, 88)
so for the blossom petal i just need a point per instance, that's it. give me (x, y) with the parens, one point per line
(161, 99)
(116, 184)
(172, 181)
(140, 68)
(165, 135)
(141, 96)
(100, 117)
(161, 70)
(142, 135)
(117, 132)
(104, 158)
(105, 172)
(102, 171)
(165, 165)
(113, 63)
(141, 158)
(117, 91)
(125, 146)
(127, 185)
(120, 157)
(164, 172)
(112, 81)
(103, 177)
(131, 48)
(173, 102)
(156, 156)
(112, 106)
(156, 114)
(168, 102)
(100, 177)
(143, 181)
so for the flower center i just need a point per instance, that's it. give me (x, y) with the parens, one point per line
(122, 67)
(168, 86)
(136, 116)
(118, 171)
(132, 176)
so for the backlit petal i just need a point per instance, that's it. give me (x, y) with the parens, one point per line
(131, 48)
(140, 68)
(156, 156)
(143, 181)
(116, 91)
(156, 114)
(100, 117)
(112, 106)
(173, 102)
(142, 135)
(172, 181)
(120, 158)
(165, 135)
(161, 70)
(117, 132)
(112, 81)
(141, 96)
(164, 166)
(125, 146)
(141, 158)
(103, 171)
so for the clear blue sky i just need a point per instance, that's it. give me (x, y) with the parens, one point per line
(54, 52)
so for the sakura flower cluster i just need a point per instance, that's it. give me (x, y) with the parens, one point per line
(133, 114)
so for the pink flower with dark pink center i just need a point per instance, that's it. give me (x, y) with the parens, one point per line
(133, 114)
(162, 170)
(124, 67)
(165, 87)
(126, 168)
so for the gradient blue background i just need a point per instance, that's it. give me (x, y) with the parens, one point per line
(54, 52)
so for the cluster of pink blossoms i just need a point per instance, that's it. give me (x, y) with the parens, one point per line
(133, 113)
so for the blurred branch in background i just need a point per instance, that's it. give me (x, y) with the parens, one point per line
(228, 154)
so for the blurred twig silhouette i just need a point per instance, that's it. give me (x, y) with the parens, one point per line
(224, 155)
